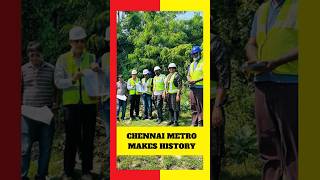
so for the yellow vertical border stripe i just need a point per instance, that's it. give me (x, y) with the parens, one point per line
(204, 139)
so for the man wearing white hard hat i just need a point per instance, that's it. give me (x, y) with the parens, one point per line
(80, 109)
(147, 83)
(158, 90)
(134, 94)
(173, 86)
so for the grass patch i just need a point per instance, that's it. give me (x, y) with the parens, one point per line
(159, 162)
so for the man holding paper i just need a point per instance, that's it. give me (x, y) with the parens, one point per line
(121, 97)
(80, 109)
(38, 95)
(134, 88)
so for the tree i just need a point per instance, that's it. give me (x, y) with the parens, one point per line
(150, 39)
(49, 22)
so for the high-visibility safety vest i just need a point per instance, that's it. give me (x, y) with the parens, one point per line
(213, 89)
(148, 85)
(172, 89)
(158, 83)
(133, 83)
(196, 73)
(281, 38)
(72, 95)
(105, 65)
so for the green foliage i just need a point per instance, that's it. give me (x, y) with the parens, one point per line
(159, 162)
(51, 21)
(232, 20)
(149, 39)
(243, 145)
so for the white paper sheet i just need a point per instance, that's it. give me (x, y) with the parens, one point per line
(122, 97)
(95, 83)
(139, 88)
(41, 114)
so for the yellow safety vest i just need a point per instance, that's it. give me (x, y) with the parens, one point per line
(105, 64)
(281, 38)
(196, 73)
(133, 83)
(172, 89)
(72, 95)
(158, 83)
(149, 85)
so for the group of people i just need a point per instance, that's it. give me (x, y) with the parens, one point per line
(40, 83)
(162, 88)
(272, 52)
(273, 41)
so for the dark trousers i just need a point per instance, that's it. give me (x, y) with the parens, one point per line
(174, 107)
(80, 122)
(196, 102)
(217, 145)
(121, 106)
(147, 105)
(134, 105)
(32, 131)
(276, 110)
(159, 106)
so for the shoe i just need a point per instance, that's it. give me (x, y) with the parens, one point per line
(170, 123)
(175, 124)
(86, 177)
(132, 118)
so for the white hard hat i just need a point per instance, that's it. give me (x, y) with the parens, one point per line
(172, 65)
(77, 33)
(107, 37)
(145, 71)
(134, 72)
(156, 68)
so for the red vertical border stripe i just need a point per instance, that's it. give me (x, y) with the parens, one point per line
(10, 89)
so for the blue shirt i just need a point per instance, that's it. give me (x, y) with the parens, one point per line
(272, 17)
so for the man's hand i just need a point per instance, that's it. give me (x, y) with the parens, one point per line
(77, 76)
(55, 106)
(178, 98)
(270, 65)
(217, 117)
(192, 82)
(163, 95)
(95, 67)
